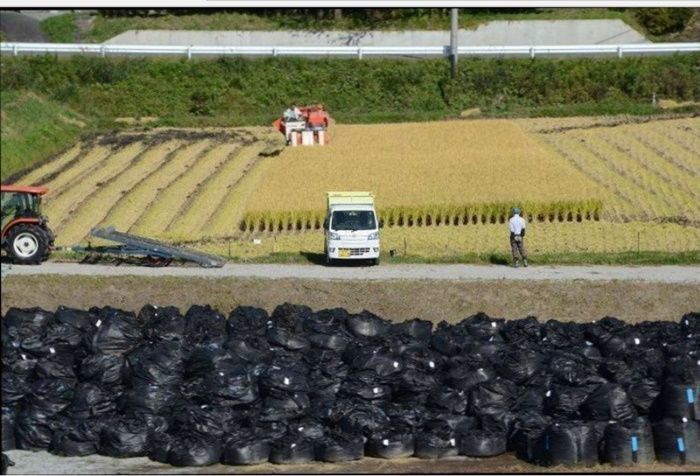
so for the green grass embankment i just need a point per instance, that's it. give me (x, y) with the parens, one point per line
(34, 129)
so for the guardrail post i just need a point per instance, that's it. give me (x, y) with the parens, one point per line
(274, 51)
(189, 52)
(619, 51)
(103, 52)
(359, 52)
(532, 52)
(14, 50)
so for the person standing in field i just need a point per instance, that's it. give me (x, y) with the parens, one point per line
(517, 225)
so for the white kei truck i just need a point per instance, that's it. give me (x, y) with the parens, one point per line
(351, 227)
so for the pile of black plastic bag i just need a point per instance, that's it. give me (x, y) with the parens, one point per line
(299, 386)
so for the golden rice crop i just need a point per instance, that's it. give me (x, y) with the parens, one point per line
(88, 178)
(418, 167)
(97, 206)
(170, 201)
(131, 205)
(435, 242)
(42, 174)
(642, 179)
(207, 202)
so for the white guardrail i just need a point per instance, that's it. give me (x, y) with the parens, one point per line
(346, 51)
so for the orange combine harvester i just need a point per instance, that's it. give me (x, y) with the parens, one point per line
(306, 125)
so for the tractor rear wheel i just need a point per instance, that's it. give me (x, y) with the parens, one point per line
(27, 243)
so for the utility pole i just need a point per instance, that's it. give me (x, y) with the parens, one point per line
(454, 41)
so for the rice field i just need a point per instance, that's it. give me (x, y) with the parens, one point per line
(604, 185)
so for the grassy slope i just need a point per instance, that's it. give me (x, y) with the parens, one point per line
(34, 129)
(107, 27)
(60, 29)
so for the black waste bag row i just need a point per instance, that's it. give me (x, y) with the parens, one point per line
(298, 386)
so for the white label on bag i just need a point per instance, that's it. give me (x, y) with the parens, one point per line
(685, 420)
(493, 324)
(286, 381)
(636, 341)
(293, 445)
(301, 428)
(221, 373)
(98, 323)
(52, 350)
(589, 343)
(548, 394)
(385, 442)
(375, 390)
(431, 364)
(396, 365)
(453, 442)
(24, 357)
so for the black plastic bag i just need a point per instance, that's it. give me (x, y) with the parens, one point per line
(279, 405)
(245, 449)
(448, 400)
(150, 399)
(418, 329)
(116, 332)
(162, 323)
(89, 401)
(630, 443)
(564, 400)
(677, 441)
(26, 322)
(159, 444)
(33, 430)
(518, 365)
(76, 318)
(680, 400)
(482, 443)
(494, 396)
(608, 402)
(14, 388)
(77, 438)
(338, 447)
(50, 395)
(643, 393)
(157, 364)
(194, 449)
(292, 449)
(56, 366)
(284, 379)
(366, 324)
(124, 438)
(435, 444)
(231, 386)
(391, 444)
(204, 326)
(204, 419)
(205, 359)
(308, 428)
(525, 437)
(283, 337)
(247, 321)
(103, 370)
(463, 376)
(482, 327)
(6, 463)
(523, 332)
(571, 443)
(365, 420)
(9, 415)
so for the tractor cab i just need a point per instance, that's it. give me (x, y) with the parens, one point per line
(26, 237)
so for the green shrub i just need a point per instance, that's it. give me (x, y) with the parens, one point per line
(60, 29)
(660, 21)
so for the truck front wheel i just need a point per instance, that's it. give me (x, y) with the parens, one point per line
(27, 244)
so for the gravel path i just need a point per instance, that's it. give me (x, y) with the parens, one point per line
(454, 272)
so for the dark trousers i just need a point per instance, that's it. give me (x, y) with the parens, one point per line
(518, 248)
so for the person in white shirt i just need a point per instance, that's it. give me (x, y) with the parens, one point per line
(517, 225)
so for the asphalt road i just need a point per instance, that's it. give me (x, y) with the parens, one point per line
(453, 272)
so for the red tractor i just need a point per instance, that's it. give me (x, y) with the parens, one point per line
(26, 237)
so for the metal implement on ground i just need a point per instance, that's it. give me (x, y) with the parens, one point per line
(154, 252)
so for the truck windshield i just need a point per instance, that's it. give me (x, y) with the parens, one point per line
(353, 220)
